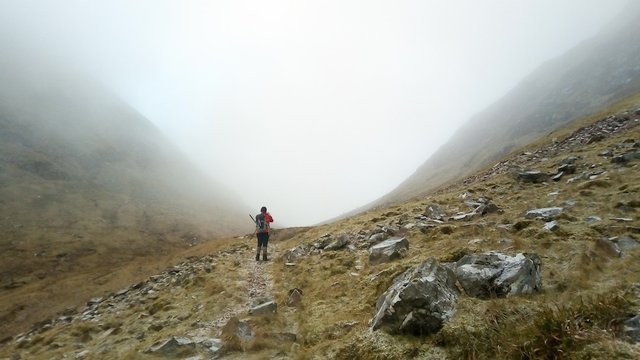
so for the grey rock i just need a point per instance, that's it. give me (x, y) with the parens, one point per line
(388, 250)
(173, 347)
(568, 160)
(269, 307)
(628, 157)
(626, 242)
(495, 274)
(544, 213)
(213, 345)
(567, 169)
(237, 330)
(609, 247)
(418, 302)
(295, 297)
(433, 211)
(294, 253)
(340, 243)
(631, 329)
(552, 226)
(592, 219)
(532, 176)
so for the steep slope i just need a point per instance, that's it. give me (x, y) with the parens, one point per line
(199, 308)
(87, 184)
(597, 72)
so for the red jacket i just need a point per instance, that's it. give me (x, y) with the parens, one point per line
(268, 219)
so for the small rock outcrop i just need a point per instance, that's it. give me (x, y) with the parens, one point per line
(532, 176)
(495, 274)
(544, 213)
(173, 347)
(295, 297)
(388, 250)
(419, 301)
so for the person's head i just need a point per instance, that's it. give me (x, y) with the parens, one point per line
(263, 209)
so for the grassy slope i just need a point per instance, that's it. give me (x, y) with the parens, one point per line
(88, 185)
(586, 292)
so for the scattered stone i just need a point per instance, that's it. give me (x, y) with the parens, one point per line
(295, 297)
(294, 253)
(609, 247)
(568, 160)
(557, 176)
(339, 243)
(388, 250)
(620, 219)
(237, 332)
(626, 242)
(628, 157)
(495, 274)
(544, 213)
(269, 307)
(532, 176)
(418, 302)
(552, 226)
(175, 347)
(433, 211)
(377, 238)
(592, 219)
(567, 169)
(631, 329)
(82, 354)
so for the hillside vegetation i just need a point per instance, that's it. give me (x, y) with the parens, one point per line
(87, 185)
(592, 75)
(201, 306)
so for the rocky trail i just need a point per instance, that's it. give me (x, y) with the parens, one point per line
(185, 311)
(548, 234)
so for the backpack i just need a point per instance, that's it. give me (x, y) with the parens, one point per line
(261, 223)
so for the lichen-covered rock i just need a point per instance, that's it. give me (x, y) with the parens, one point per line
(495, 274)
(419, 301)
(388, 250)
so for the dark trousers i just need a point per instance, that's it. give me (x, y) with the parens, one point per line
(263, 239)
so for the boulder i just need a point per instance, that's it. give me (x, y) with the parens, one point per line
(388, 250)
(418, 302)
(544, 213)
(494, 274)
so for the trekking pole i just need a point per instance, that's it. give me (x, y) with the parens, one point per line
(255, 222)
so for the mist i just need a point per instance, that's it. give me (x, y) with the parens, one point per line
(309, 108)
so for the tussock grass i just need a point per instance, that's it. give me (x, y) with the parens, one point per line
(515, 329)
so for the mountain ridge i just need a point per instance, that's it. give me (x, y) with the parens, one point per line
(595, 73)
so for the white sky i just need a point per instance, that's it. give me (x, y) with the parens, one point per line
(311, 108)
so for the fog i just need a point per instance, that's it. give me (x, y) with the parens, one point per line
(309, 108)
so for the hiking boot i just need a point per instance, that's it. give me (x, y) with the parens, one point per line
(258, 257)
(264, 257)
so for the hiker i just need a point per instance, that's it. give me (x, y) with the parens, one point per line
(262, 232)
